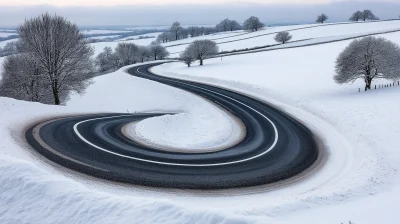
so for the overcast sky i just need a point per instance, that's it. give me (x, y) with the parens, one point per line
(163, 12)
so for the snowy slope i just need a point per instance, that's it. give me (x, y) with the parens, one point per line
(34, 190)
(368, 179)
(266, 37)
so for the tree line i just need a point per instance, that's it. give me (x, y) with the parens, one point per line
(355, 17)
(178, 32)
(128, 53)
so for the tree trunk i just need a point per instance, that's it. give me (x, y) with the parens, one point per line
(201, 61)
(56, 95)
(368, 81)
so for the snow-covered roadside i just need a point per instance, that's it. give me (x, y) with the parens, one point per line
(366, 121)
(34, 190)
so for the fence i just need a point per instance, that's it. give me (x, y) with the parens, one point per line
(380, 86)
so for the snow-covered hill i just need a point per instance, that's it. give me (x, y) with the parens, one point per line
(358, 182)
(300, 80)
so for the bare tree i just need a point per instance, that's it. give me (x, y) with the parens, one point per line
(368, 58)
(158, 51)
(144, 53)
(253, 24)
(202, 49)
(128, 53)
(187, 57)
(368, 15)
(24, 79)
(175, 29)
(283, 37)
(60, 50)
(357, 16)
(322, 18)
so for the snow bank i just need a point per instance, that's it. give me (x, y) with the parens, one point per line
(34, 190)
(367, 177)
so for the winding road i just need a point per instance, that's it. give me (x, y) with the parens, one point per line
(276, 146)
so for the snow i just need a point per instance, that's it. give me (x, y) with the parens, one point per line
(46, 194)
(162, 27)
(88, 32)
(144, 35)
(98, 47)
(266, 37)
(4, 43)
(103, 37)
(6, 34)
(366, 176)
(358, 180)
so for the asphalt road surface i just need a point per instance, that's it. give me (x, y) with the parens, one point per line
(276, 147)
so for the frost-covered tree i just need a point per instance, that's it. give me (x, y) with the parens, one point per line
(144, 53)
(187, 57)
(223, 26)
(192, 31)
(184, 33)
(357, 16)
(368, 58)
(283, 37)
(60, 50)
(128, 53)
(202, 49)
(24, 79)
(253, 24)
(163, 37)
(368, 15)
(234, 25)
(158, 51)
(175, 29)
(322, 18)
(104, 60)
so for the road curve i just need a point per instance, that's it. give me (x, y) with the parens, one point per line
(276, 147)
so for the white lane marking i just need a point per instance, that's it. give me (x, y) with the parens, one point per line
(181, 164)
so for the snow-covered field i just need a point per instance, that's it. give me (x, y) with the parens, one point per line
(4, 43)
(6, 34)
(266, 36)
(359, 181)
(369, 179)
(137, 36)
(103, 31)
(98, 47)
